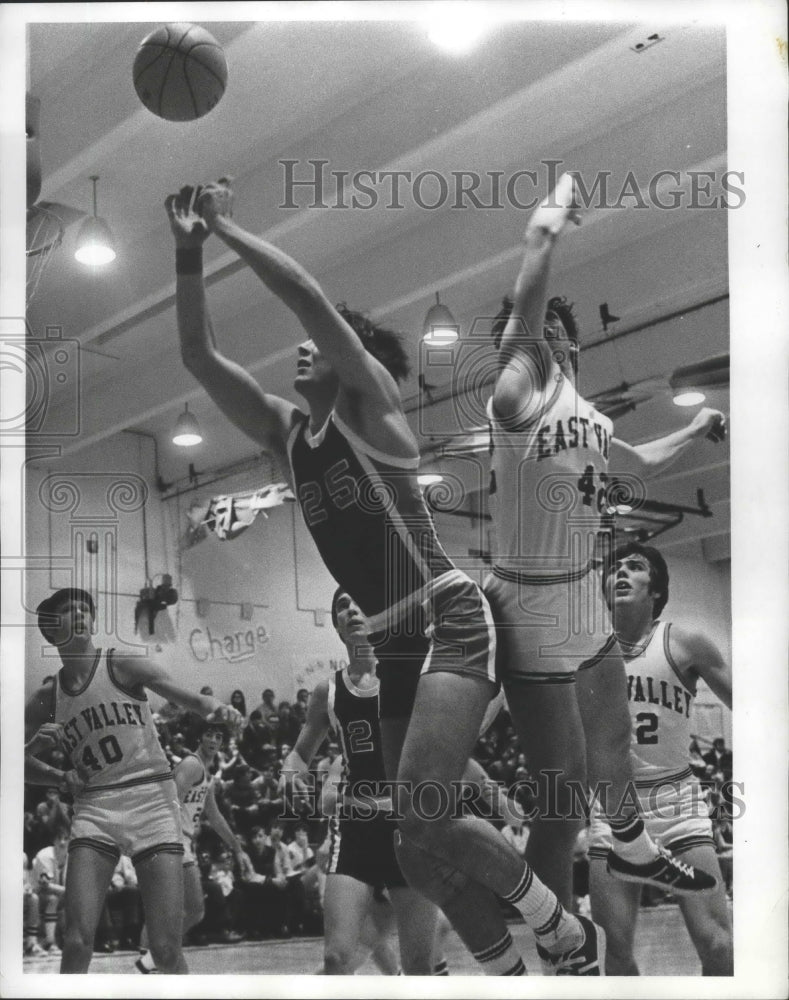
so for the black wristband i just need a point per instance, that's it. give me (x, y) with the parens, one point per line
(188, 260)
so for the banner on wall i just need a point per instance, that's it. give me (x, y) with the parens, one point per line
(228, 516)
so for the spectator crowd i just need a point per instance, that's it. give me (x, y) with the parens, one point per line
(286, 842)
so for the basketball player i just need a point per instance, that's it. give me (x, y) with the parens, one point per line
(353, 460)
(124, 795)
(361, 857)
(551, 453)
(664, 662)
(194, 785)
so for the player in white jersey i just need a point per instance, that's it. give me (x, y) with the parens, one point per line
(663, 662)
(194, 784)
(551, 451)
(124, 795)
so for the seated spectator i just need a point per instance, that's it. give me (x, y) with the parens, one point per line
(52, 813)
(720, 760)
(177, 748)
(30, 915)
(223, 900)
(270, 802)
(49, 881)
(124, 904)
(698, 765)
(275, 901)
(300, 705)
(242, 799)
(267, 706)
(239, 702)
(288, 726)
(34, 834)
(228, 760)
(255, 736)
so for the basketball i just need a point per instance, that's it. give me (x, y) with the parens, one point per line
(180, 72)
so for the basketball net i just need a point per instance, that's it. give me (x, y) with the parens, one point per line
(44, 234)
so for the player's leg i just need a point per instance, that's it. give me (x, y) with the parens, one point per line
(379, 938)
(430, 770)
(194, 910)
(90, 868)
(417, 919)
(345, 906)
(160, 876)
(615, 907)
(707, 917)
(546, 718)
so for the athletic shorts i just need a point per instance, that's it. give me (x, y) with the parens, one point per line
(452, 631)
(364, 850)
(674, 813)
(139, 821)
(547, 631)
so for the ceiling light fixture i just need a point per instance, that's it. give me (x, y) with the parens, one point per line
(187, 430)
(440, 326)
(94, 240)
(689, 381)
(457, 31)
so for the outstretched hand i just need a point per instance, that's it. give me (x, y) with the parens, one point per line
(187, 226)
(215, 200)
(710, 424)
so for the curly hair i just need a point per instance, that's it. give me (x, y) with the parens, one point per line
(384, 344)
(558, 305)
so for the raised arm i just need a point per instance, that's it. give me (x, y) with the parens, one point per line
(698, 656)
(265, 418)
(135, 672)
(651, 457)
(524, 354)
(357, 370)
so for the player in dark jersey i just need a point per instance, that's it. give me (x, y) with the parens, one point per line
(124, 795)
(361, 849)
(353, 462)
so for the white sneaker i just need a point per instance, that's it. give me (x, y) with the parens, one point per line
(34, 950)
(53, 951)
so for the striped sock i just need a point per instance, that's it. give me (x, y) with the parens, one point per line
(501, 958)
(631, 840)
(543, 912)
(441, 968)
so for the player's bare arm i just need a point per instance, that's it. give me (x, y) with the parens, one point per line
(134, 672)
(218, 823)
(316, 725)
(368, 397)
(652, 457)
(696, 655)
(265, 418)
(524, 354)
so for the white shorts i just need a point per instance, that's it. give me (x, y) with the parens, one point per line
(545, 632)
(675, 814)
(139, 821)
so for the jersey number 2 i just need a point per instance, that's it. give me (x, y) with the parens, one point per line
(360, 737)
(646, 730)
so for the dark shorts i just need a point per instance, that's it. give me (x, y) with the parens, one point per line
(364, 850)
(452, 631)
